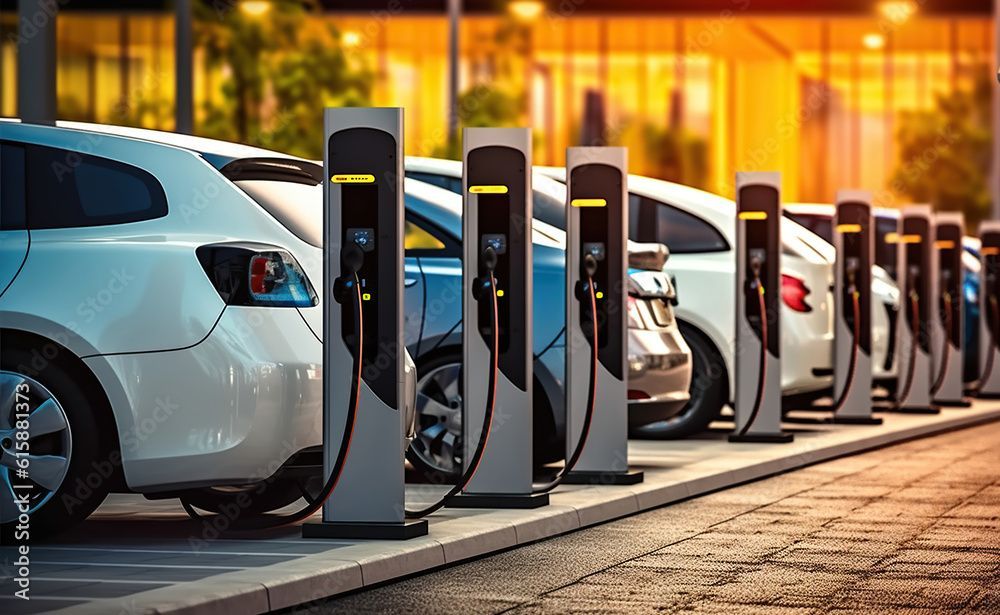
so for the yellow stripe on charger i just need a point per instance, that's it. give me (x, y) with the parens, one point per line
(753, 215)
(944, 244)
(488, 189)
(848, 228)
(588, 203)
(346, 178)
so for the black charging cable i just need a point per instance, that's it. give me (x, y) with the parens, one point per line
(946, 342)
(351, 258)
(489, 258)
(590, 268)
(758, 401)
(852, 365)
(915, 339)
(992, 326)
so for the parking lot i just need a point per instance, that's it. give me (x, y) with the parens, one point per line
(141, 556)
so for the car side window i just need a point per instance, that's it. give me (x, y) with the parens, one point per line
(453, 184)
(416, 238)
(12, 207)
(67, 189)
(684, 233)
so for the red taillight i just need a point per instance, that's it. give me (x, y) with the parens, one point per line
(794, 292)
(637, 394)
(261, 268)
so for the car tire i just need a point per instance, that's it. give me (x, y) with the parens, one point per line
(709, 391)
(251, 500)
(438, 436)
(59, 406)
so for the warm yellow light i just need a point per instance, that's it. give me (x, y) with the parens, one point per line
(873, 40)
(944, 244)
(848, 228)
(897, 11)
(255, 8)
(351, 39)
(488, 189)
(526, 10)
(991, 251)
(589, 203)
(753, 215)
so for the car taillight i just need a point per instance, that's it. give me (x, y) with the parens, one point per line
(246, 274)
(794, 292)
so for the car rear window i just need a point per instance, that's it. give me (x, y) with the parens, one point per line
(298, 207)
(66, 189)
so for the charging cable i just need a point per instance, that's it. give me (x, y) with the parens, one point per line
(995, 320)
(352, 258)
(755, 266)
(489, 259)
(853, 363)
(914, 340)
(590, 267)
(946, 342)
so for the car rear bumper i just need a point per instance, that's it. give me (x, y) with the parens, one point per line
(659, 374)
(231, 409)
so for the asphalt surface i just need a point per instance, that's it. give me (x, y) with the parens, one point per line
(912, 528)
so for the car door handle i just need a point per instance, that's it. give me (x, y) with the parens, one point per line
(408, 282)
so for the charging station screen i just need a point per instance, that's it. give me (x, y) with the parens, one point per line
(494, 221)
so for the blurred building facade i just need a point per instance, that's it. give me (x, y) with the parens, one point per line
(697, 90)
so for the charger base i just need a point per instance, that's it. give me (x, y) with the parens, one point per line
(629, 477)
(856, 420)
(931, 409)
(411, 528)
(964, 402)
(768, 438)
(499, 500)
(986, 395)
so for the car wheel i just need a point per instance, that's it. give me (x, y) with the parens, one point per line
(436, 449)
(255, 499)
(64, 478)
(709, 391)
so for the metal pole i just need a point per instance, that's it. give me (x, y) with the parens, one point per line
(995, 209)
(36, 61)
(183, 70)
(454, 14)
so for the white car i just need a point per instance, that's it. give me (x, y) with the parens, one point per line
(163, 326)
(699, 228)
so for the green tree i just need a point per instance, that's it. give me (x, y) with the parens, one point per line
(677, 155)
(946, 153)
(479, 106)
(276, 77)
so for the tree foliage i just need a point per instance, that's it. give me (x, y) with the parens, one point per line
(946, 153)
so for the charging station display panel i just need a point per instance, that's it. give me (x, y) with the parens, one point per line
(364, 164)
(501, 218)
(854, 223)
(601, 236)
(917, 257)
(949, 248)
(759, 209)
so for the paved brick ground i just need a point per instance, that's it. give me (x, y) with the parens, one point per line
(913, 528)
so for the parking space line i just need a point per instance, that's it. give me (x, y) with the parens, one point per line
(171, 551)
(140, 565)
(82, 580)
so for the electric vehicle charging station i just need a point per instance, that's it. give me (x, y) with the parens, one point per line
(758, 280)
(919, 268)
(596, 335)
(497, 319)
(989, 310)
(947, 322)
(364, 351)
(854, 241)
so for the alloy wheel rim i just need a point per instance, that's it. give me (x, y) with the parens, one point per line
(49, 448)
(438, 441)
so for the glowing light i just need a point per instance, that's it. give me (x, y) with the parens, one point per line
(351, 39)
(873, 40)
(499, 292)
(255, 8)
(526, 10)
(897, 11)
(848, 228)
(753, 215)
(589, 203)
(488, 189)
